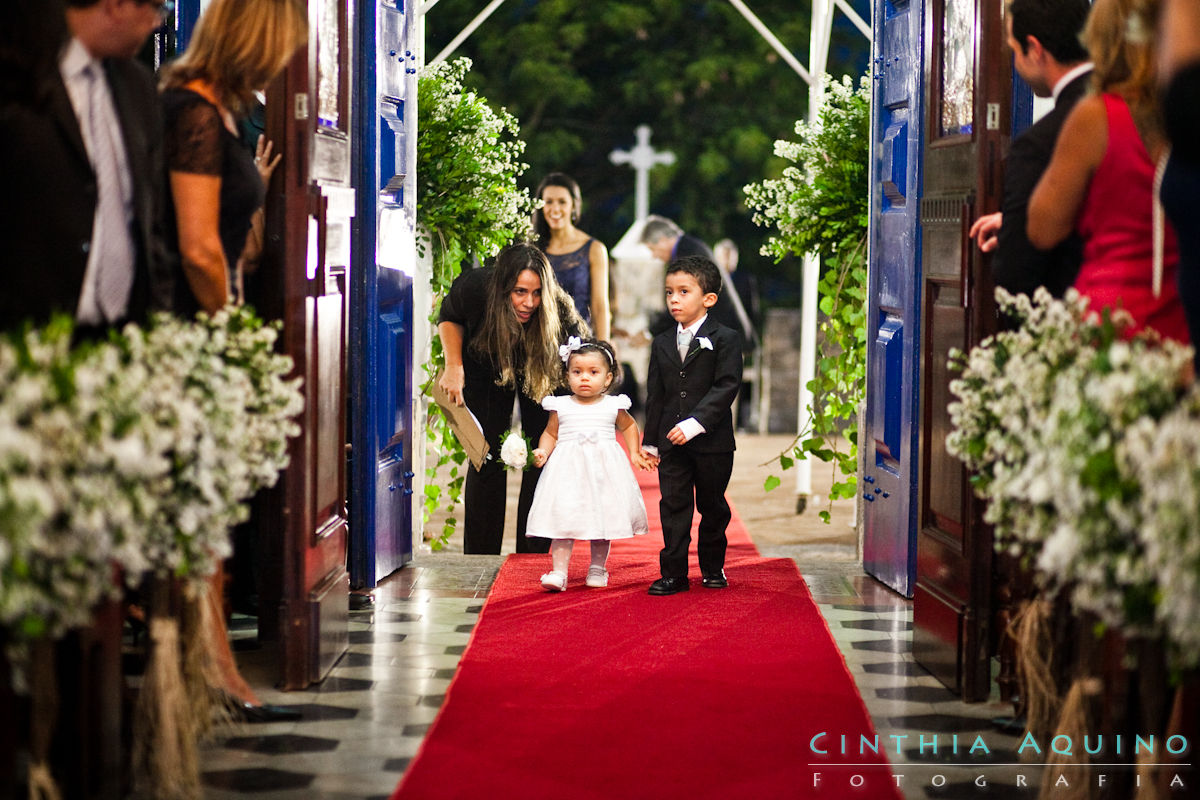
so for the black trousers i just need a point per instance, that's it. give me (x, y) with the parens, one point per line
(486, 489)
(691, 481)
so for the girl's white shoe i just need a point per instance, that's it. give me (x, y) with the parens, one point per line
(556, 581)
(597, 577)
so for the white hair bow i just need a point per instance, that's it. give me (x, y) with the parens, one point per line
(565, 350)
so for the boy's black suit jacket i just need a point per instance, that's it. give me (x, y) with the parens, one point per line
(49, 199)
(703, 386)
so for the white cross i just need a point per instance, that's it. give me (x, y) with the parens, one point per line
(642, 158)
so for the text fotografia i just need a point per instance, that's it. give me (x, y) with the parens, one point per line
(858, 780)
(825, 743)
(1100, 754)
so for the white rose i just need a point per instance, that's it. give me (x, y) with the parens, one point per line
(513, 452)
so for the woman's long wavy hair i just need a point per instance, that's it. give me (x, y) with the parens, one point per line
(541, 228)
(503, 339)
(240, 46)
(1119, 36)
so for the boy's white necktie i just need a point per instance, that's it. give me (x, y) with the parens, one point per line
(683, 341)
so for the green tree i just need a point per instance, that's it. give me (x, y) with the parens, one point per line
(582, 76)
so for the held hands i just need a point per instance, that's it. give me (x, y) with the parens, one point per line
(643, 460)
(263, 160)
(452, 382)
(986, 231)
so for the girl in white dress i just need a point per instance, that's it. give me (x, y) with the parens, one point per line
(587, 490)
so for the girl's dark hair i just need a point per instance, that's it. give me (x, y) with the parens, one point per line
(540, 227)
(503, 339)
(603, 348)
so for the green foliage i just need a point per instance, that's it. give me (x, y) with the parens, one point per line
(468, 201)
(820, 205)
(468, 205)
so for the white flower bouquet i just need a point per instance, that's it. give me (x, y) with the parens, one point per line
(1071, 432)
(135, 454)
(516, 453)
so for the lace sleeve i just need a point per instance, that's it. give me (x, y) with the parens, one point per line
(194, 138)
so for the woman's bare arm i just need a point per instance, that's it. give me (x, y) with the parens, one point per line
(601, 315)
(1059, 195)
(197, 212)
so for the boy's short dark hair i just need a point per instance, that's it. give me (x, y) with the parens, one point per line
(703, 270)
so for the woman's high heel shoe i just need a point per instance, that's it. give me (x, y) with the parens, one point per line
(248, 712)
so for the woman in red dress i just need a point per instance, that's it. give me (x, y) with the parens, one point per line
(1101, 178)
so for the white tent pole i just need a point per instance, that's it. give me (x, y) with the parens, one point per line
(818, 50)
(776, 45)
(853, 16)
(465, 32)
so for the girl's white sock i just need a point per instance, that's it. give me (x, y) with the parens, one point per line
(560, 554)
(600, 552)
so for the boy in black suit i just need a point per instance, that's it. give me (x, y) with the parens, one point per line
(695, 373)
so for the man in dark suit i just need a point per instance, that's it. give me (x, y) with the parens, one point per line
(694, 376)
(1044, 38)
(81, 163)
(667, 242)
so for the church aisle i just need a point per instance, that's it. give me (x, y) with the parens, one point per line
(364, 724)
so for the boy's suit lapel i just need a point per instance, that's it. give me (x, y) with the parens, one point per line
(704, 331)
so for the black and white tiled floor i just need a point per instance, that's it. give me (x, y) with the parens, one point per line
(364, 723)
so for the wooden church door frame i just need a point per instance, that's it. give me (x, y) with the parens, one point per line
(953, 635)
(310, 210)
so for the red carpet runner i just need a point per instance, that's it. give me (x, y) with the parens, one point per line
(613, 694)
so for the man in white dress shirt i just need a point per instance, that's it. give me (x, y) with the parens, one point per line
(81, 163)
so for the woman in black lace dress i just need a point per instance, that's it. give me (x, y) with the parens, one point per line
(580, 262)
(217, 192)
(217, 186)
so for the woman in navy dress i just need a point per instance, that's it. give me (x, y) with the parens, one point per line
(580, 262)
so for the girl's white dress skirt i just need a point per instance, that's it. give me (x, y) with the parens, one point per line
(587, 489)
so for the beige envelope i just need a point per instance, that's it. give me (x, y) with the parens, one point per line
(466, 427)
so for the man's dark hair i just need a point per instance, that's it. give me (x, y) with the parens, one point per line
(1057, 24)
(31, 34)
(704, 271)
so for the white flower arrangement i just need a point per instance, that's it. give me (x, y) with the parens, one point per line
(1072, 433)
(515, 452)
(133, 455)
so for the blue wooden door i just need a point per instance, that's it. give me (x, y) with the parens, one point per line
(889, 435)
(381, 313)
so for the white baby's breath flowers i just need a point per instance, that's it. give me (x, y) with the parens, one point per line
(1087, 447)
(131, 456)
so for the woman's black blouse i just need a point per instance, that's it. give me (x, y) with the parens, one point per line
(198, 142)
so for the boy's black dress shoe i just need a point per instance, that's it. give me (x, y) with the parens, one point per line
(715, 580)
(664, 586)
